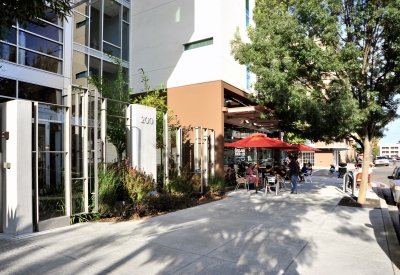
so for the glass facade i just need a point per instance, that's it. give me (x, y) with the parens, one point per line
(67, 149)
(38, 44)
(101, 31)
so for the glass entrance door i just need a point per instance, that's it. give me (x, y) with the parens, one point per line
(49, 155)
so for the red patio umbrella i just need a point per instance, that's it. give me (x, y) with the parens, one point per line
(260, 141)
(304, 148)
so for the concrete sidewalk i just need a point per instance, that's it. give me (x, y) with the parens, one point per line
(307, 233)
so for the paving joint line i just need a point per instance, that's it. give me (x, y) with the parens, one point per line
(392, 242)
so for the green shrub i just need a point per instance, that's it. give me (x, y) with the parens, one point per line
(216, 185)
(109, 183)
(185, 184)
(137, 183)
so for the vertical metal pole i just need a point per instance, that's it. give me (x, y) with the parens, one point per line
(67, 156)
(128, 127)
(85, 163)
(179, 150)
(78, 138)
(166, 149)
(36, 160)
(103, 131)
(196, 150)
(212, 152)
(95, 148)
(204, 163)
(1, 195)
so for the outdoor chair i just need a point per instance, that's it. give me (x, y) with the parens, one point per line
(241, 181)
(276, 182)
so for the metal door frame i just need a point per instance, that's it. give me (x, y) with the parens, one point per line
(63, 220)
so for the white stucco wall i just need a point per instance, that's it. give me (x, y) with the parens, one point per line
(160, 28)
(17, 180)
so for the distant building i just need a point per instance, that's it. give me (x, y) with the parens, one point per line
(389, 150)
(333, 153)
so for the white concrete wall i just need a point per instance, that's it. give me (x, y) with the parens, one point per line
(17, 181)
(233, 15)
(141, 138)
(160, 28)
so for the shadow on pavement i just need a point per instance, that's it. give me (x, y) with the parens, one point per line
(307, 233)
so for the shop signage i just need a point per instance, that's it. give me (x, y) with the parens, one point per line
(239, 152)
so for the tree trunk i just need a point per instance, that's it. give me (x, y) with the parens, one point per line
(119, 158)
(362, 192)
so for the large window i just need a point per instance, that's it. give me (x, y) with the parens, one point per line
(100, 29)
(39, 93)
(80, 69)
(8, 87)
(29, 91)
(39, 44)
(308, 158)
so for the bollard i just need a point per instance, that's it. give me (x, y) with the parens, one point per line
(344, 182)
(346, 178)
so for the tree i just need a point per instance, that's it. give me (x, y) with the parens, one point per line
(157, 98)
(327, 69)
(375, 146)
(293, 139)
(26, 10)
(116, 90)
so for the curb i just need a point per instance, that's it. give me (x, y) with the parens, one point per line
(391, 238)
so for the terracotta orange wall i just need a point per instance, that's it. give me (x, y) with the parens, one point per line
(324, 159)
(201, 105)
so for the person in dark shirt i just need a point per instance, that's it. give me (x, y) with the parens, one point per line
(280, 171)
(294, 173)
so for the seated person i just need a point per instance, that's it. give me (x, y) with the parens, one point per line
(309, 166)
(281, 171)
(230, 177)
(269, 170)
(303, 171)
(251, 177)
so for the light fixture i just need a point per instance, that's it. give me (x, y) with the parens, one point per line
(246, 121)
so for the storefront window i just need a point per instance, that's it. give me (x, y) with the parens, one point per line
(307, 158)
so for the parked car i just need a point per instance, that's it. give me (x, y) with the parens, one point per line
(381, 160)
(394, 184)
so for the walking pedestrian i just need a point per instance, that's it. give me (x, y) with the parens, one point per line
(294, 173)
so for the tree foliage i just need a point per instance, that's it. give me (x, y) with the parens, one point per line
(157, 98)
(117, 91)
(293, 139)
(27, 10)
(331, 65)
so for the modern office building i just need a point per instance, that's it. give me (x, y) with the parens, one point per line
(185, 45)
(389, 150)
(46, 63)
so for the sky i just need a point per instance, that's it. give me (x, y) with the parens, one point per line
(392, 135)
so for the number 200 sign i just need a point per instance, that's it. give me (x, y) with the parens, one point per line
(147, 120)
